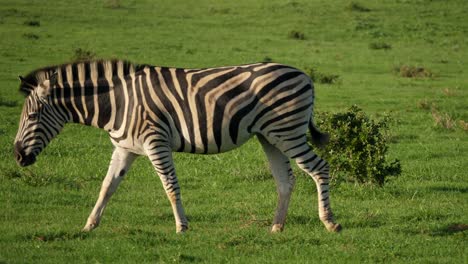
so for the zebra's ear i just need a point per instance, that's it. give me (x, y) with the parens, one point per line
(53, 79)
(25, 87)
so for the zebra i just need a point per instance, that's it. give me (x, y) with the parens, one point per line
(153, 111)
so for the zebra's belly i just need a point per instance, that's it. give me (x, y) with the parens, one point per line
(211, 145)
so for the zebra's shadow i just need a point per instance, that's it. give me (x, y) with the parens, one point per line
(56, 236)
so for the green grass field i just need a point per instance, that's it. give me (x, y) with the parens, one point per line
(419, 217)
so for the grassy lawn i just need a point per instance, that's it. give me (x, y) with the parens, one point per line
(419, 217)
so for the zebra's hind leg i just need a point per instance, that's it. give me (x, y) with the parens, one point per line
(284, 178)
(318, 169)
(119, 166)
(161, 157)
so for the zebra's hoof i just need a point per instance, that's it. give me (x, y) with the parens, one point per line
(88, 228)
(332, 227)
(90, 225)
(277, 228)
(181, 229)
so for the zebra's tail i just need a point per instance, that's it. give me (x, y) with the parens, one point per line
(318, 138)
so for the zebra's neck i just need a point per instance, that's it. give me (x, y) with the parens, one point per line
(85, 91)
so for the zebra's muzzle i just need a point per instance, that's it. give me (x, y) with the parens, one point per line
(21, 158)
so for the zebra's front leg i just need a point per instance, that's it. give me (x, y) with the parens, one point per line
(161, 157)
(119, 166)
(284, 178)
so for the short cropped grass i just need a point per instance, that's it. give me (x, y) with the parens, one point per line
(419, 217)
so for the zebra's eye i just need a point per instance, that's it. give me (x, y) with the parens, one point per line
(32, 116)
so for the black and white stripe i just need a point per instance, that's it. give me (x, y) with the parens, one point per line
(154, 111)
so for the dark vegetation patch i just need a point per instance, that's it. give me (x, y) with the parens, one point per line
(295, 34)
(320, 77)
(450, 230)
(57, 236)
(33, 23)
(8, 103)
(12, 12)
(267, 59)
(365, 24)
(83, 55)
(32, 178)
(182, 258)
(31, 36)
(380, 46)
(220, 11)
(190, 51)
(27, 176)
(370, 26)
(357, 7)
(292, 7)
(454, 189)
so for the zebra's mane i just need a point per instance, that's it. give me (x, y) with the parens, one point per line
(105, 67)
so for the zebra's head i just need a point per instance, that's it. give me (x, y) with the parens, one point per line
(38, 123)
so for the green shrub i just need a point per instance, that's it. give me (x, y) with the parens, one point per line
(357, 148)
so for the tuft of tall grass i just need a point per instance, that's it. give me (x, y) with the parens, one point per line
(463, 125)
(425, 104)
(443, 120)
(413, 72)
(448, 92)
(113, 4)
